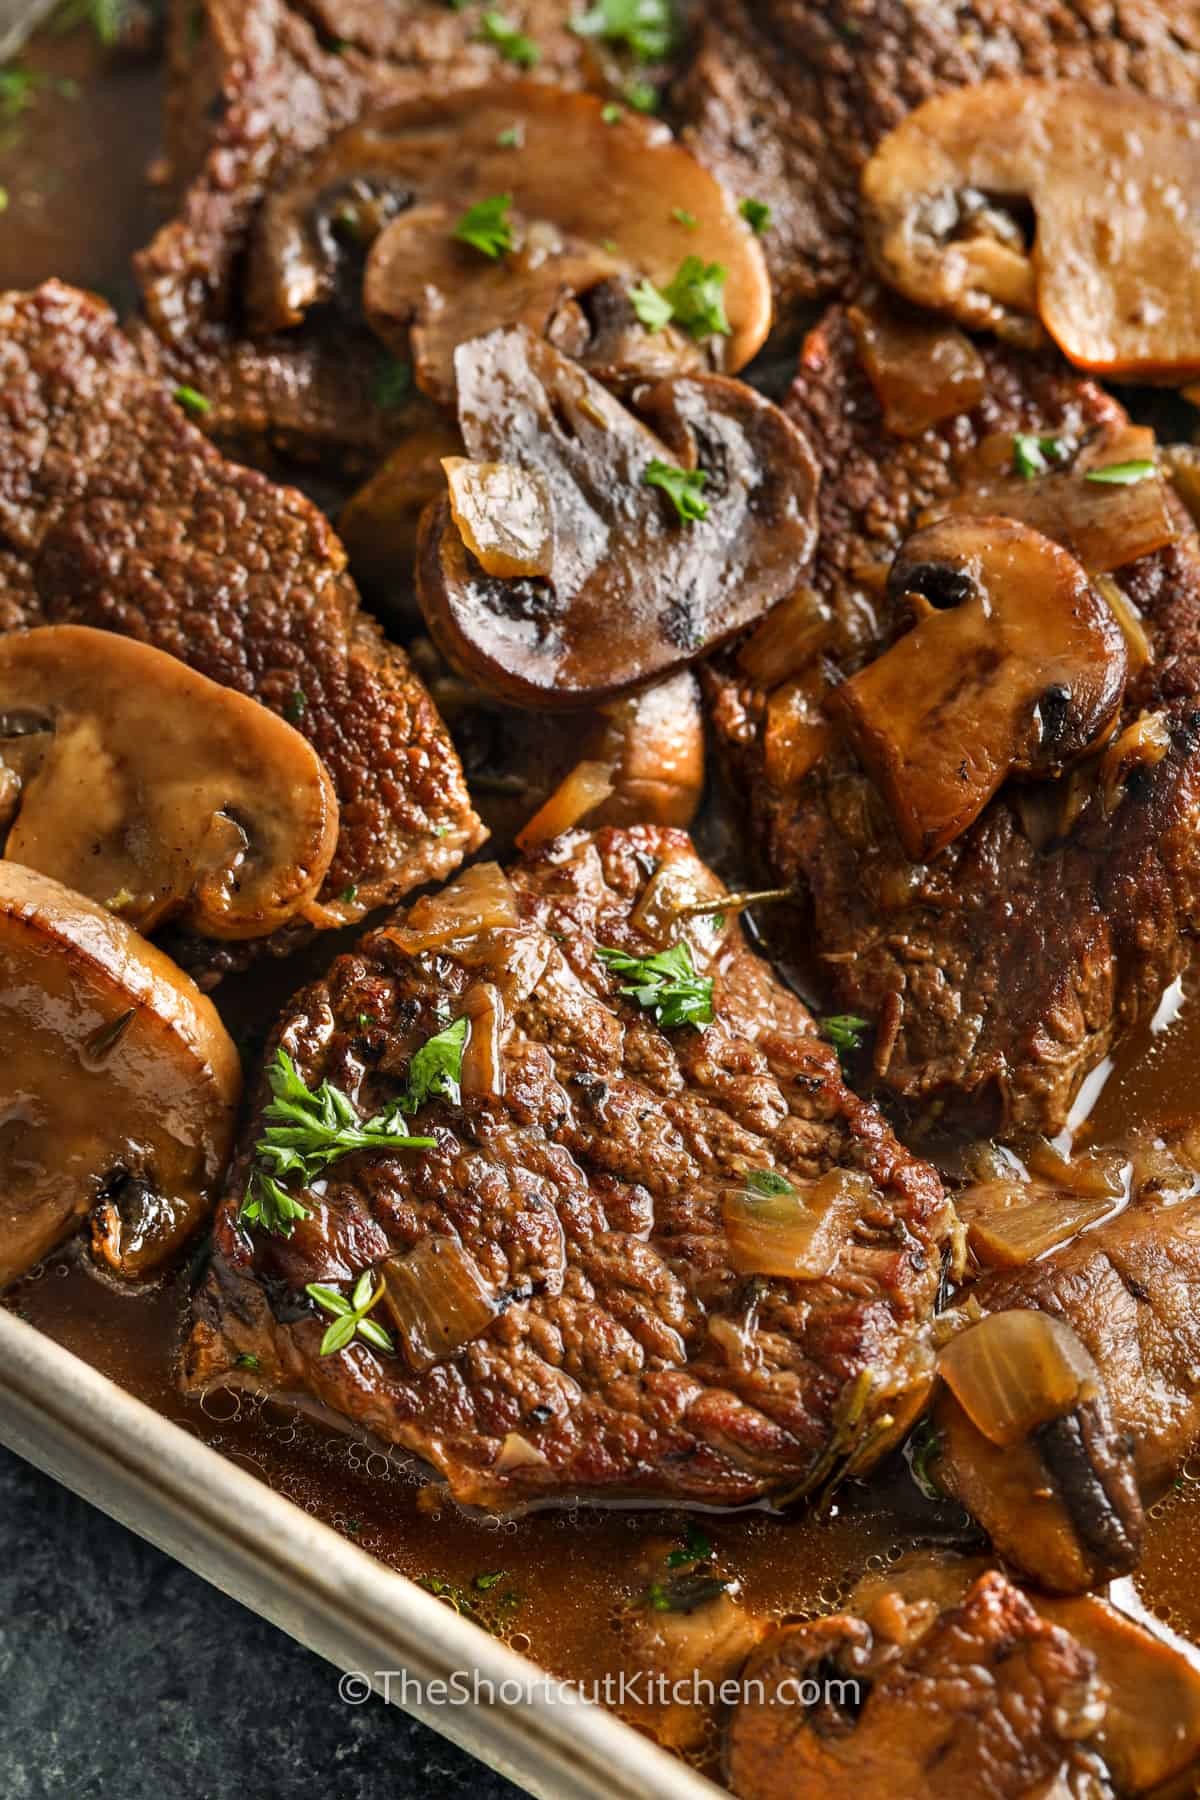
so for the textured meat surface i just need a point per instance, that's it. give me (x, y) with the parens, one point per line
(996, 971)
(627, 1354)
(786, 99)
(116, 512)
(256, 85)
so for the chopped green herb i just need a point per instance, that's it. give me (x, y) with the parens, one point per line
(489, 1580)
(651, 307)
(684, 1593)
(612, 114)
(350, 894)
(924, 1447)
(1124, 474)
(365, 1021)
(682, 216)
(106, 17)
(246, 1361)
(303, 1132)
(1033, 453)
(757, 215)
(696, 298)
(695, 1548)
(295, 706)
(681, 486)
(665, 985)
(766, 1181)
(844, 1031)
(439, 831)
(436, 1069)
(193, 401)
(354, 1526)
(642, 96)
(509, 39)
(350, 1316)
(511, 138)
(485, 226)
(18, 89)
(393, 383)
(647, 27)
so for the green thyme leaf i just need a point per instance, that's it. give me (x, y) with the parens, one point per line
(330, 1299)
(374, 1334)
(193, 401)
(647, 27)
(844, 1030)
(652, 308)
(682, 487)
(1124, 474)
(489, 1579)
(665, 985)
(696, 297)
(350, 1316)
(339, 1334)
(1033, 453)
(683, 217)
(485, 226)
(757, 215)
(509, 39)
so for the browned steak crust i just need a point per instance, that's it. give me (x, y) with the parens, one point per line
(256, 85)
(628, 1355)
(997, 970)
(116, 512)
(786, 99)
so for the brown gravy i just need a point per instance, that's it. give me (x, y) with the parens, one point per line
(73, 165)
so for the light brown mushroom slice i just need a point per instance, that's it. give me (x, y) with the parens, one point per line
(121, 1084)
(632, 590)
(1112, 175)
(1016, 666)
(596, 183)
(156, 791)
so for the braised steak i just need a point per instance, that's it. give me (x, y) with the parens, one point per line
(116, 512)
(589, 1331)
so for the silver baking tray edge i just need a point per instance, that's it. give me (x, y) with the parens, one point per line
(325, 1592)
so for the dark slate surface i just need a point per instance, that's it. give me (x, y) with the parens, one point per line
(125, 1677)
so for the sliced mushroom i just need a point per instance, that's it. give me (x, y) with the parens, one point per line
(1113, 271)
(155, 790)
(578, 185)
(630, 590)
(121, 1084)
(1016, 666)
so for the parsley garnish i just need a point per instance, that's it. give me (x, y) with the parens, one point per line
(350, 1316)
(511, 138)
(246, 1361)
(436, 1069)
(485, 226)
(696, 1548)
(106, 17)
(683, 217)
(647, 27)
(193, 401)
(612, 113)
(295, 706)
(1124, 474)
(757, 215)
(696, 298)
(350, 894)
(651, 307)
(642, 96)
(1033, 453)
(303, 1132)
(844, 1031)
(665, 985)
(489, 1579)
(393, 383)
(681, 486)
(684, 1593)
(509, 39)
(766, 1181)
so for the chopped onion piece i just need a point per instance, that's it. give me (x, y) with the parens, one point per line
(1011, 1223)
(798, 1233)
(503, 516)
(1015, 1371)
(788, 639)
(678, 886)
(482, 1072)
(1129, 619)
(921, 372)
(1140, 745)
(797, 732)
(481, 899)
(579, 793)
(438, 1298)
(1098, 1174)
(517, 1452)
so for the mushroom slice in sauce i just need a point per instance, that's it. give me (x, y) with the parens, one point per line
(1113, 270)
(621, 589)
(121, 1084)
(588, 198)
(156, 791)
(1016, 666)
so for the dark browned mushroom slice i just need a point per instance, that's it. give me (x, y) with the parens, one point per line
(121, 1084)
(156, 791)
(590, 194)
(622, 587)
(1113, 271)
(1016, 666)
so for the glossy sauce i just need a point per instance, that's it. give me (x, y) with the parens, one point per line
(78, 204)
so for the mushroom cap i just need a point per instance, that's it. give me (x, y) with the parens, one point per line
(1016, 666)
(121, 1083)
(155, 790)
(1113, 178)
(597, 183)
(630, 590)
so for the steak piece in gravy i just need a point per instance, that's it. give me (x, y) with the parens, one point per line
(786, 99)
(1000, 970)
(115, 512)
(570, 1270)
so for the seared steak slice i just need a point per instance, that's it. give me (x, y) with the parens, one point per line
(998, 971)
(116, 512)
(786, 99)
(579, 1188)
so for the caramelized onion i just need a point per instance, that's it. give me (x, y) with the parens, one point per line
(1129, 619)
(503, 516)
(577, 794)
(798, 1233)
(1140, 745)
(481, 899)
(1015, 1371)
(438, 1298)
(788, 639)
(921, 372)
(516, 1452)
(797, 732)
(482, 1072)
(1010, 1223)
(678, 887)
